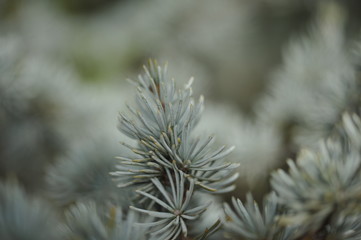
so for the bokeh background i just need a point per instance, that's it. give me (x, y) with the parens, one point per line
(64, 65)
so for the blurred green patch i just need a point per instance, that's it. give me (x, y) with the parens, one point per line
(8, 8)
(104, 65)
(85, 6)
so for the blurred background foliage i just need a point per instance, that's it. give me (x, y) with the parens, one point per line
(64, 64)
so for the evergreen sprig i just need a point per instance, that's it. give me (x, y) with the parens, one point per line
(162, 124)
(169, 164)
(25, 217)
(176, 208)
(249, 221)
(322, 184)
(318, 198)
(86, 220)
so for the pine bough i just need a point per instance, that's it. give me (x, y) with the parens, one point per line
(168, 167)
(319, 198)
(169, 164)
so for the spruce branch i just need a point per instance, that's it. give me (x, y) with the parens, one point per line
(248, 221)
(168, 163)
(86, 220)
(176, 205)
(323, 186)
(26, 217)
(162, 124)
(84, 176)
